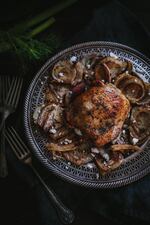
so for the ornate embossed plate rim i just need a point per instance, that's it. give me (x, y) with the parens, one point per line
(28, 130)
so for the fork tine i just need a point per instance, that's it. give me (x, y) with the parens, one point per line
(16, 135)
(4, 87)
(11, 91)
(16, 100)
(12, 144)
(23, 148)
(7, 85)
(18, 146)
(14, 96)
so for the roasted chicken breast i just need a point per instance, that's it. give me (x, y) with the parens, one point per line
(99, 113)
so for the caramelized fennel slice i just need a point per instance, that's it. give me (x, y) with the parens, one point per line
(102, 73)
(78, 157)
(140, 122)
(125, 148)
(61, 148)
(64, 72)
(132, 87)
(106, 167)
(115, 66)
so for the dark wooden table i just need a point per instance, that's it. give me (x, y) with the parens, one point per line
(16, 197)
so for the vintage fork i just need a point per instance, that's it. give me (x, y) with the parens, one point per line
(4, 87)
(22, 152)
(12, 99)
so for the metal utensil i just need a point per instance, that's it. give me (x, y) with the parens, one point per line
(22, 152)
(4, 87)
(12, 99)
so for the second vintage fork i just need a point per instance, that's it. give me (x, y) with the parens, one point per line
(22, 152)
(12, 99)
(4, 87)
(10, 92)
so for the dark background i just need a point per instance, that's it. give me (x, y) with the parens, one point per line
(16, 197)
(15, 10)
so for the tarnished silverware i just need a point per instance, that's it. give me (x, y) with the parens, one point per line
(12, 99)
(22, 152)
(4, 87)
(10, 93)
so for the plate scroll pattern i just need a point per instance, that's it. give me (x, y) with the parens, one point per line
(135, 167)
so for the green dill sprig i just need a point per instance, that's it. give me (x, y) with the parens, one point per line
(22, 39)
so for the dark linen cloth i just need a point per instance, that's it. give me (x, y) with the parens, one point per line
(112, 22)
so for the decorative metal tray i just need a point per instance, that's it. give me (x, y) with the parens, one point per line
(134, 168)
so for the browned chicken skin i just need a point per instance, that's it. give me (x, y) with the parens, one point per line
(99, 113)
